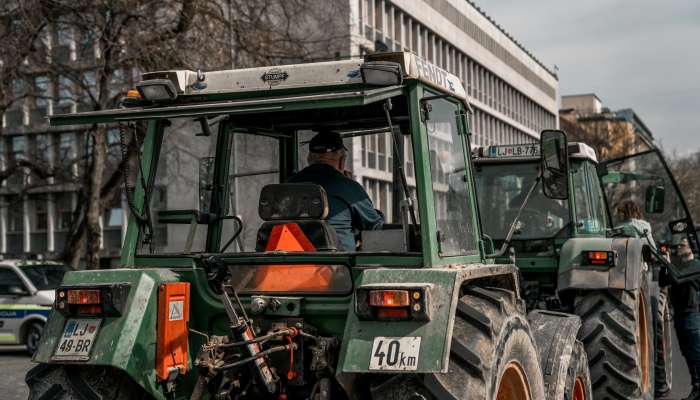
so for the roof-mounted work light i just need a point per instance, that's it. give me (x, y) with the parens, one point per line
(381, 73)
(157, 89)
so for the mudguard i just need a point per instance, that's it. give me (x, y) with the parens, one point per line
(435, 335)
(127, 342)
(626, 274)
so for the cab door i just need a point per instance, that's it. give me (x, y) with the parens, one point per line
(645, 179)
(13, 293)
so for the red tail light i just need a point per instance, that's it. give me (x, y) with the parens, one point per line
(103, 300)
(84, 296)
(393, 304)
(388, 298)
(599, 258)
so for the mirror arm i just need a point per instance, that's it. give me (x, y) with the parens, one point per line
(511, 231)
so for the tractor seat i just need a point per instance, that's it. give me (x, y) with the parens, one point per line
(294, 216)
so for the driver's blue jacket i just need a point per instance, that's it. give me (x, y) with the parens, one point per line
(349, 206)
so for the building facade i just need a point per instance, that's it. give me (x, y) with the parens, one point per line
(611, 133)
(513, 95)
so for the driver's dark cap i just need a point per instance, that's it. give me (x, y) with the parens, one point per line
(326, 142)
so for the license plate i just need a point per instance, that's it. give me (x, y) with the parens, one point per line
(395, 353)
(77, 340)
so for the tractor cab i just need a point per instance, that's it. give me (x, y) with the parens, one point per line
(504, 175)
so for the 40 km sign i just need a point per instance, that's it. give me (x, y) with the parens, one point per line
(395, 353)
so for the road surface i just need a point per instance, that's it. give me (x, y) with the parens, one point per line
(14, 363)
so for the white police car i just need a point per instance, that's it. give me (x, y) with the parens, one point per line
(26, 297)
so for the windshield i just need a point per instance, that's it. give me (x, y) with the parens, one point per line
(367, 207)
(45, 277)
(634, 183)
(501, 190)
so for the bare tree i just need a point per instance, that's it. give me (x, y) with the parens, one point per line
(106, 43)
(685, 171)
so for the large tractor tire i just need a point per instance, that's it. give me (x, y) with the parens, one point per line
(68, 382)
(562, 357)
(493, 355)
(618, 334)
(663, 367)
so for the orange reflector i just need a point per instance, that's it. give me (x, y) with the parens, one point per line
(84, 296)
(172, 333)
(392, 313)
(288, 237)
(388, 298)
(133, 93)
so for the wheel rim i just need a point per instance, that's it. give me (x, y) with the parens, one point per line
(579, 391)
(643, 343)
(513, 385)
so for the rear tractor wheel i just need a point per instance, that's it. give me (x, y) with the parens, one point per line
(562, 357)
(663, 357)
(68, 382)
(493, 355)
(618, 334)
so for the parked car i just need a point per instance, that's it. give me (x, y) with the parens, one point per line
(26, 297)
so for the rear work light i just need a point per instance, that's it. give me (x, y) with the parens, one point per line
(103, 300)
(157, 89)
(393, 304)
(604, 259)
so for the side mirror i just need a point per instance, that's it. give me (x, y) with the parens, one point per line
(654, 199)
(206, 183)
(555, 164)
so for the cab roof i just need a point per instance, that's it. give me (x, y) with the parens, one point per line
(184, 93)
(528, 152)
(309, 75)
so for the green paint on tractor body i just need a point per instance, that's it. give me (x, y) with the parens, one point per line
(438, 261)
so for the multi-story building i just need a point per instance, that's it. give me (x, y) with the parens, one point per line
(512, 93)
(610, 133)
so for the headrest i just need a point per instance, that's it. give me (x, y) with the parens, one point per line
(293, 201)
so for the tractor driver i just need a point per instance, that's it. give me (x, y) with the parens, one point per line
(349, 205)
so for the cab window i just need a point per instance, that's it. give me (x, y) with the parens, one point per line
(451, 198)
(591, 217)
(10, 283)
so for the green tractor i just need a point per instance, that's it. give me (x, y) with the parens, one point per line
(259, 303)
(570, 259)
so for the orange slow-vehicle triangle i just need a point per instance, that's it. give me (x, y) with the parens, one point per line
(288, 237)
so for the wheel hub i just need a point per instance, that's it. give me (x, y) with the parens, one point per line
(513, 385)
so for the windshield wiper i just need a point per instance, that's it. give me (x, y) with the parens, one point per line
(514, 224)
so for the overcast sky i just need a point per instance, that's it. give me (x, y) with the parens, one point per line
(639, 54)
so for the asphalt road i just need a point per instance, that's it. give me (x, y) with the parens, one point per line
(14, 363)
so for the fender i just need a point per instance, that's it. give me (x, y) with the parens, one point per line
(626, 274)
(436, 334)
(127, 342)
